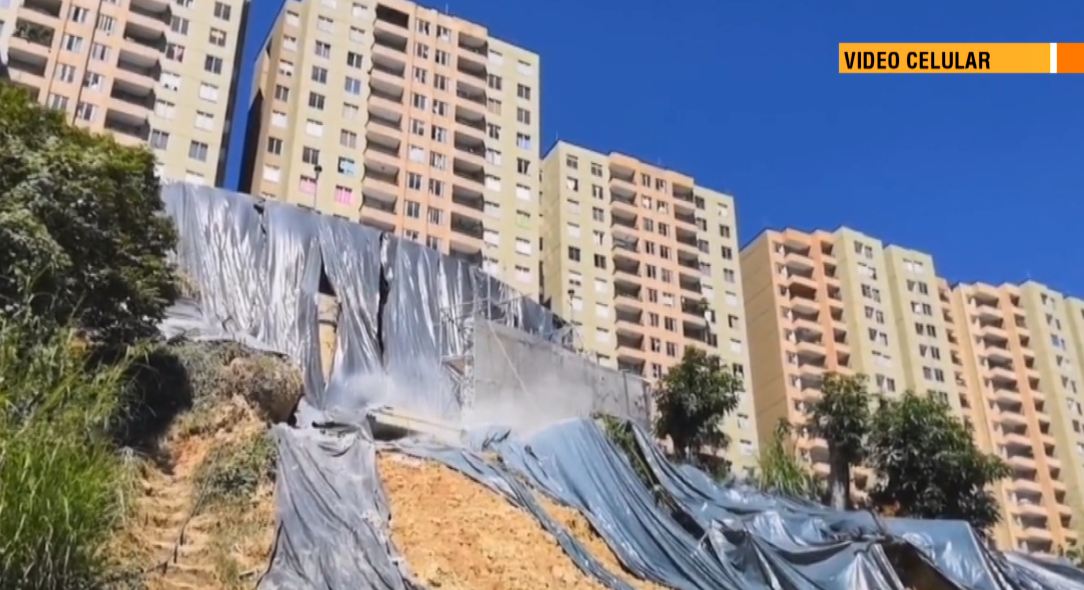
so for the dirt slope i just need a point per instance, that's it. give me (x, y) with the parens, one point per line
(458, 535)
(225, 541)
(582, 530)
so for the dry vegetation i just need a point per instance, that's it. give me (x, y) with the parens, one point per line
(203, 517)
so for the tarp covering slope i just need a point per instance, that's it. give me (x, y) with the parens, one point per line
(259, 267)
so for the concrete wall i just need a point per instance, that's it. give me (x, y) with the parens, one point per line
(526, 383)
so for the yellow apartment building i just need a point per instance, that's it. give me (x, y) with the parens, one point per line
(644, 263)
(146, 71)
(1007, 360)
(1020, 348)
(842, 302)
(408, 120)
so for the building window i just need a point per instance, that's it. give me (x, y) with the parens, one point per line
(223, 11)
(197, 150)
(212, 64)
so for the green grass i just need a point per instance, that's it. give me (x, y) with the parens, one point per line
(235, 471)
(62, 482)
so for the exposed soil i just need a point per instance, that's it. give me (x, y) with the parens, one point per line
(581, 529)
(458, 535)
(225, 544)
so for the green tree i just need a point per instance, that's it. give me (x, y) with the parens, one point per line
(82, 235)
(691, 402)
(927, 465)
(1074, 553)
(780, 471)
(842, 418)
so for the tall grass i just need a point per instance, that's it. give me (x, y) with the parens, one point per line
(61, 480)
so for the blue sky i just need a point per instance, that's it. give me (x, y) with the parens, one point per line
(984, 172)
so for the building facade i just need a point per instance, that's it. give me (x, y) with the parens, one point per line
(147, 71)
(837, 302)
(643, 262)
(406, 119)
(1020, 362)
(1006, 359)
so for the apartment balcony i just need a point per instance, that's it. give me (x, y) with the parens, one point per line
(695, 315)
(382, 158)
(624, 227)
(630, 349)
(987, 311)
(1025, 485)
(132, 126)
(27, 68)
(467, 231)
(632, 367)
(472, 64)
(623, 192)
(801, 279)
(1035, 534)
(49, 8)
(684, 199)
(992, 331)
(686, 218)
(388, 129)
(798, 260)
(470, 199)
(690, 283)
(468, 94)
(135, 101)
(380, 186)
(137, 68)
(628, 298)
(686, 239)
(1021, 461)
(34, 37)
(629, 324)
(470, 151)
(146, 37)
(150, 14)
(473, 40)
(390, 19)
(389, 44)
(471, 126)
(388, 78)
(385, 98)
(626, 248)
(1001, 375)
(627, 271)
(1009, 418)
(378, 213)
(997, 352)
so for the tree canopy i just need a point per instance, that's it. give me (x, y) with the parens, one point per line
(842, 418)
(924, 460)
(692, 401)
(82, 237)
(927, 464)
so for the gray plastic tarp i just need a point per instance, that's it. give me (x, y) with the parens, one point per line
(405, 321)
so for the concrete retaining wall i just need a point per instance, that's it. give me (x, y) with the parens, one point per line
(527, 383)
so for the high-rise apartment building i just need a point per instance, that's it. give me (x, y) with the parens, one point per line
(1020, 362)
(838, 302)
(1006, 359)
(644, 263)
(408, 120)
(147, 71)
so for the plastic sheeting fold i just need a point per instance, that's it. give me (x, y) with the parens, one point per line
(406, 316)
